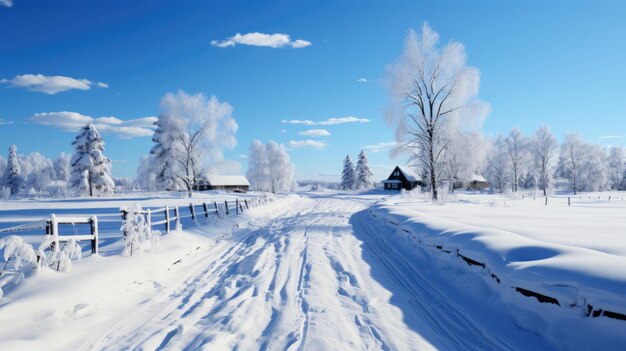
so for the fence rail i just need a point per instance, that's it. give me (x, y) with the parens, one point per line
(171, 219)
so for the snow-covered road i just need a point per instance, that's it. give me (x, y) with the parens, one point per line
(317, 276)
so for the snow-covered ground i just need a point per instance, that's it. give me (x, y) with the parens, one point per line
(324, 271)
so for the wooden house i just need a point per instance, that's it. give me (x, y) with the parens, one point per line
(222, 182)
(402, 178)
(478, 182)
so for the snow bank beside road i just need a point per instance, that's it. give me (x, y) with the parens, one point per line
(54, 311)
(576, 277)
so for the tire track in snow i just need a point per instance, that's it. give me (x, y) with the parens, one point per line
(160, 318)
(446, 318)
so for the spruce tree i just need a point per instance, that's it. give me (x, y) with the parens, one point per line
(91, 170)
(348, 179)
(364, 173)
(12, 178)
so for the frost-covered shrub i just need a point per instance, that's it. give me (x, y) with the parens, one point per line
(139, 236)
(18, 257)
(60, 261)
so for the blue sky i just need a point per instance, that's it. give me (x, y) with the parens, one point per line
(558, 62)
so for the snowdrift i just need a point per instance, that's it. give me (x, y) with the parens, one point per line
(574, 277)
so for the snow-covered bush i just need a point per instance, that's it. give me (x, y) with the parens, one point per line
(20, 255)
(60, 261)
(138, 235)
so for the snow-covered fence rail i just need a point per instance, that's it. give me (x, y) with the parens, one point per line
(41, 224)
(51, 227)
(172, 214)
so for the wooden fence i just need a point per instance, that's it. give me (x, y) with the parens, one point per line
(172, 214)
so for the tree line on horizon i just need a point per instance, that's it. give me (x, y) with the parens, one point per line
(436, 115)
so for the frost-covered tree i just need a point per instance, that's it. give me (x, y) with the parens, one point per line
(498, 170)
(465, 156)
(596, 171)
(434, 93)
(572, 160)
(348, 176)
(258, 167)
(616, 166)
(191, 130)
(543, 145)
(517, 149)
(146, 177)
(91, 170)
(281, 169)
(38, 172)
(12, 178)
(269, 167)
(62, 167)
(363, 173)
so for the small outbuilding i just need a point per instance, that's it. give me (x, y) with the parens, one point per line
(222, 182)
(478, 182)
(402, 178)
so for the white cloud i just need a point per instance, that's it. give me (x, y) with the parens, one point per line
(73, 121)
(362, 80)
(292, 144)
(328, 122)
(315, 132)
(382, 146)
(277, 40)
(283, 130)
(4, 121)
(613, 136)
(50, 84)
(243, 156)
(7, 3)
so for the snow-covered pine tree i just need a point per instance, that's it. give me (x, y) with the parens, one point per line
(364, 173)
(163, 154)
(348, 179)
(12, 175)
(91, 170)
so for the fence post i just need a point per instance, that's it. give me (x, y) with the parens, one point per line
(193, 211)
(54, 228)
(240, 207)
(167, 219)
(149, 218)
(546, 201)
(236, 206)
(177, 217)
(124, 211)
(569, 201)
(226, 205)
(217, 210)
(246, 202)
(206, 210)
(94, 232)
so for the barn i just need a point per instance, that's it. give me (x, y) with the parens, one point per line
(223, 182)
(402, 178)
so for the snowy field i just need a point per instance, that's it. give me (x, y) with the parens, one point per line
(333, 271)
